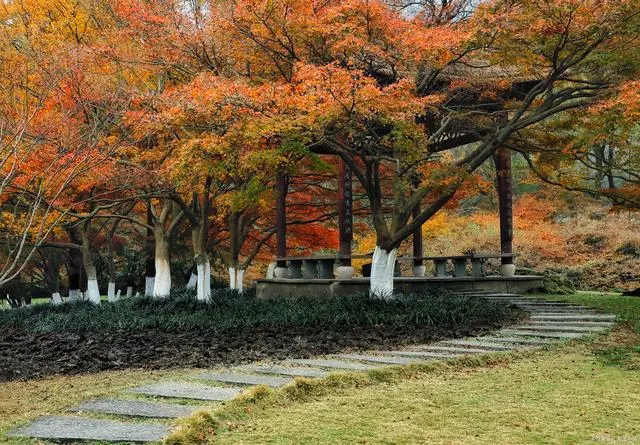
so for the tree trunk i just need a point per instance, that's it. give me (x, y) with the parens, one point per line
(162, 282)
(111, 292)
(193, 280)
(199, 237)
(93, 291)
(150, 271)
(382, 268)
(203, 288)
(74, 270)
(56, 298)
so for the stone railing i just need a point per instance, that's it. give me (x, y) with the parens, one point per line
(322, 267)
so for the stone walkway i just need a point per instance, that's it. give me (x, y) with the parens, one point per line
(122, 419)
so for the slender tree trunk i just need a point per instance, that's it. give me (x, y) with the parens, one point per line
(74, 270)
(150, 274)
(203, 264)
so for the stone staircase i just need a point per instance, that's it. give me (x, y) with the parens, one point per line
(163, 402)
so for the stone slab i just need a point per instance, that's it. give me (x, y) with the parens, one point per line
(379, 358)
(425, 354)
(490, 347)
(585, 323)
(81, 428)
(560, 328)
(295, 372)
(456, 350)
(246, 379)
(526, 333)
(139, 408)
(188, 391)
(583, 317)
(517, 340)
(337, 364)
(562, 309)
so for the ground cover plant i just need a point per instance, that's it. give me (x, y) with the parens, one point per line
(570, 393)
(233, 327)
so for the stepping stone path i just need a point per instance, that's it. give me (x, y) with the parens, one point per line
(188, 391)
(80, 428)
(294, 372)
(139, 408)
(548, 323)
(243, 379)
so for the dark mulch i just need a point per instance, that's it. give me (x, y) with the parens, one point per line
(27, 354)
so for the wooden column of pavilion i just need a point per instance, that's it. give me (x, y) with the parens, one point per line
(282, 186)
(502, 159)
(345, 212)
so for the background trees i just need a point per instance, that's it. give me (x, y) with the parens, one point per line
(195, 109)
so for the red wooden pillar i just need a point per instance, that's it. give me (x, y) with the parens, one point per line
(502, 160)
(282, 185)
(345, 211)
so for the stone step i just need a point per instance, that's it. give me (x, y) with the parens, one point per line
(586, 323)
(562, 309)
(422, 353)
(65, 428)
(528, 333)
(517, 341)
(454, 350)
(581, 317)
(245, 379)
(294, 372)
(560, 328)
(378, 359)
(335, 364)
(488, 346)
(188, 391)
(137, 408)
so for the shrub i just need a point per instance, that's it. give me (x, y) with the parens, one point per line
(233, 311)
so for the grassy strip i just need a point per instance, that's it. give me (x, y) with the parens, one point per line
(231, 311)
(205, 426)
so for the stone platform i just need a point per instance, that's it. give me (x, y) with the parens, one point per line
(303, 287)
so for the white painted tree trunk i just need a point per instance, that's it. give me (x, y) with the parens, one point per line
(129, 293)
(56, 298)
(382, 267)
(149, 283)
(232, 278)
(111, 292)
(93, 292)
(240, 280)
(118, 294)
(203, 285)
(193, 281)
(162, 284)
(236, 278)
(75, 295)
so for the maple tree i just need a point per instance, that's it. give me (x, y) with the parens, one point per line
(201, 106)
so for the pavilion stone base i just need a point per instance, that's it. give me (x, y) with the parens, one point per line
(322, 288)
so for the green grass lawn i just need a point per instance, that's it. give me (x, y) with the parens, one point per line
(582, 392)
